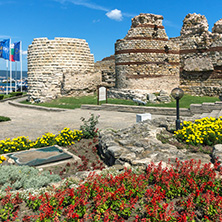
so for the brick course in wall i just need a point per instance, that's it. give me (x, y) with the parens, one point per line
(145, 58)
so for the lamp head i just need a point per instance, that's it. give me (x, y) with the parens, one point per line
(177, 93)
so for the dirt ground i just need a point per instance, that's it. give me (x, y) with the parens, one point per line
(87, 151)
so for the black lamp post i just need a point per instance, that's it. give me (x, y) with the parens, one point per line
(177, 94)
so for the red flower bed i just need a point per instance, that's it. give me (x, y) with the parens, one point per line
(186, 191)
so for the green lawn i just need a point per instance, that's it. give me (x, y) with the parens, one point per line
(12, 94)
(76, 102)
(186, 100)
(4, 118)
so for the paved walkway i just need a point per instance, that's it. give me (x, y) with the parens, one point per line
(34, 123)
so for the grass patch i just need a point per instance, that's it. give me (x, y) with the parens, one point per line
(3, 119)
(12, 94)
(186, 100)
(76, 102)
(68, 102)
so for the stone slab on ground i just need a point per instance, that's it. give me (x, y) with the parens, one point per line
(42, 156)
(142, 117)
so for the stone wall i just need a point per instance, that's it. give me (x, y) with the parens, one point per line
(145, 59)
(63, 66)
(200, 56)
(106, 68)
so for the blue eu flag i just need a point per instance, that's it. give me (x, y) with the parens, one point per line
(1, 49)
(4, 49)
(17, 51)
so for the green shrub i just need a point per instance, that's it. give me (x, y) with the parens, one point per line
(17, 177)
(3, 118)
(88, 128)
(1, 97)
(12, 94)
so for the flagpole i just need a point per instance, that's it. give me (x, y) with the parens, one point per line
(10, 62)
(21, 62)
(15, 76)
(7, 77)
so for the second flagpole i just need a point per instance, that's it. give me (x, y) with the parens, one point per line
(10, 64)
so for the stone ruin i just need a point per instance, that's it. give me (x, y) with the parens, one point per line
(107, 69)
(145, 58)
(145, 61)
(63, 66)
(200, 56)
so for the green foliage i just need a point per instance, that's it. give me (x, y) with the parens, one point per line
(3, 118)
(17, 177)
(88, 128)
(1, 97)
(12, 94)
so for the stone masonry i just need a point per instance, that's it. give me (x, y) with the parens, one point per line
(106, 68)
(63, 66)
(145, 58)
(200, 56)
(138, 145)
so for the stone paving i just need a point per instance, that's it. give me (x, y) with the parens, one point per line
(33, 123)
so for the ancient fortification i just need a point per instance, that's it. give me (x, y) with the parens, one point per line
(147, 60)
(62, 66)
(200, 56)
(106, 68)
(144, 60)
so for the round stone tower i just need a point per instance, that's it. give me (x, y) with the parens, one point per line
(63, 66)
(145, 59)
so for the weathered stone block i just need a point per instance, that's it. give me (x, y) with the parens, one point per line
(116, 151)
(142, 117)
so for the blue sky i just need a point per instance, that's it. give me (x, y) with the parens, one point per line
(99, 22)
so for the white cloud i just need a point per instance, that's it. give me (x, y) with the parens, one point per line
(170, 24)
(4, 36)
(7, 2)
(84, 3)
(96, 20)
(115, 15)
(24, 52)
